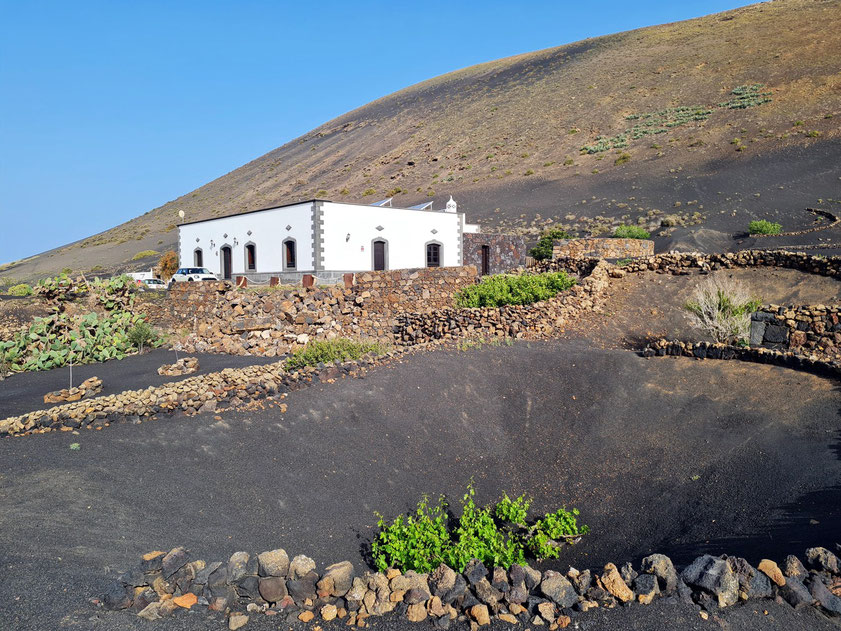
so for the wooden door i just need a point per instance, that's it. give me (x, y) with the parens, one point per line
(486, 260)
(379, 255)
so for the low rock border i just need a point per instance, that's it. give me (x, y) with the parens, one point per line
(713, 350)
(229, 388)
(165, 583)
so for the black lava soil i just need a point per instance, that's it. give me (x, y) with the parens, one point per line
(670, 455)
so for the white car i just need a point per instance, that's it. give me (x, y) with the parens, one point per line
(151, 283)
(191, 274)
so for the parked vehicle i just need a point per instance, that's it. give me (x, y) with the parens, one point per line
(141, 276)
(152, 283)
(191, 274)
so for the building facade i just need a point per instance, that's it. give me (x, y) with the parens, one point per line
(325, 239)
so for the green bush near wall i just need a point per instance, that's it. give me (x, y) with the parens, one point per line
(508, 289)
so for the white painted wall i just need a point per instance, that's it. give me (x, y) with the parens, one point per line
(268, 230)
(406, 231)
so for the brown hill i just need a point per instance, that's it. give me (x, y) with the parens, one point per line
(505, 138)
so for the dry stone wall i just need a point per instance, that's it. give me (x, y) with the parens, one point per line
(220, 318)
(538, 320)
(246, 586)
(602, 248)
(809, 328)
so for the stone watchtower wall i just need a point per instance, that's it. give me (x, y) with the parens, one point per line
(603, 248)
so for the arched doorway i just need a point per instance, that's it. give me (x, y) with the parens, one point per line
(225, 254)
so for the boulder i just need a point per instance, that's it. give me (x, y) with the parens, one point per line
(795, 593)
(546, 610)
(272, 588)
(793, 567)
(615, 585)
(116, 596)
(273, 563)
(646, 588)
(826, 598)
(416, 612)
(240, 565)
(480, 614)
(714, 576)
(329, 612)
(628, 573)
(486, 593)
(302, 588)
(300, 566)
(583, 582)
(752, 582)
(337, 579)
(475, 571)
(557, 588)
(662, 567)
(237, 621)
(173, 561)
(824, 560)
(442, 580)
(772, 571)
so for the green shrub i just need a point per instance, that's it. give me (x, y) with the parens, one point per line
(622, 159)
(327, 351)
(417, 541)
(507, 289)
(631, 232)
(764, 227)
(543, 249)
(141, 334)
(516, 511)
(549, 533)
(143, 254)
(495, 534)
(20, 290)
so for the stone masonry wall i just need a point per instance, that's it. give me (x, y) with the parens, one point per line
(808, 327)
(603, 248)
(220, 318)
(506, 252)
(538, 320)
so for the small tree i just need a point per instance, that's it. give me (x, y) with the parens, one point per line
(721, 307)
(543, 249)
(168, 264)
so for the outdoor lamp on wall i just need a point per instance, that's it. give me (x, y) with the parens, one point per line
(347, 238)
(236, 242)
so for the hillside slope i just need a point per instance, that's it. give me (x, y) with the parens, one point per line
(505, 139)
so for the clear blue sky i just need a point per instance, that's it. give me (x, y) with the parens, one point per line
(110, 109)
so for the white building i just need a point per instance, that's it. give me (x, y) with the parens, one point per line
(325, 239)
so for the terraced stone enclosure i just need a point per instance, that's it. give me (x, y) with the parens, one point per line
(643, 447)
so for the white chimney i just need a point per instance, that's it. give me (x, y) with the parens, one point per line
(451, 205)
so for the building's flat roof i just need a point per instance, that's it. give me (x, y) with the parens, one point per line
(307, 201)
